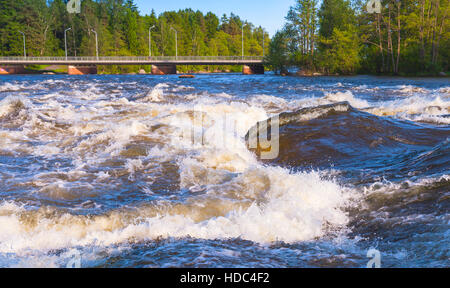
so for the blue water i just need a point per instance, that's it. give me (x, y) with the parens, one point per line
(103, 169)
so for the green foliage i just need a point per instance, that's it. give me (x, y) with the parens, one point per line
(122, 31)
(335, 14)
(340, 53)
(278, 57)
(407, 37)
(339, 42)
(301, 30)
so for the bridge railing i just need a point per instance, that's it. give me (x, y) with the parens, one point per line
(133, 58)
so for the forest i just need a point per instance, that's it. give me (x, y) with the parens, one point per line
(123, 31)
(388, 37)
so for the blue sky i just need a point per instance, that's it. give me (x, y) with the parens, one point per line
(266, 13)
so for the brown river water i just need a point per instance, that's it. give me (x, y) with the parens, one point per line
(105, 169)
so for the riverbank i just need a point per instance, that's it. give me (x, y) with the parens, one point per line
(311, 73)
(112, 70)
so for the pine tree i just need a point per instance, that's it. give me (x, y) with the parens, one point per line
(339, 43)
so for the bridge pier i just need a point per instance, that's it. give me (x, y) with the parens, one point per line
(12, 69)
(253, 69)
(82, 70)
(165, 69)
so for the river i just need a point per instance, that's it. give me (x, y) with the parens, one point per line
(102, 171)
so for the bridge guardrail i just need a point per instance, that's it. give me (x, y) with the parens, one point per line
(132, 58)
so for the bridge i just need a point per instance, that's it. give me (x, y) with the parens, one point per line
(161, 65)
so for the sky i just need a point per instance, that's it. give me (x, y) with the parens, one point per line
(266, 13)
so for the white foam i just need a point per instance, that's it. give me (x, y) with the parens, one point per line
(445, 91)
(432, 119)
(388, 187)
(8, 104)
(346, 96)
(237, 196)
(6, 87)
(293, 207)
(243, 198)
(275, 104)
(157, 93)
(133, 165)
(409, 89)
(416, 105)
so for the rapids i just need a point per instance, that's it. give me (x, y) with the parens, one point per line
(155, 171)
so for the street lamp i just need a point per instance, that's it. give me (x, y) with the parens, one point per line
(65, 40)
(24, 45)
(176, 42)
(96, 42)
(150, 40)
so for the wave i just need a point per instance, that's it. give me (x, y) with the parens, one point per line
(262, 205)
(8, 87)
(278, 105)
(156, 94)
(409, 89)
(222, 191)
(347, 97)
(392, 209)
(432, 108)
(413, 105)
(11, 106)
(343, 137)
(80, 151)
(23, 86)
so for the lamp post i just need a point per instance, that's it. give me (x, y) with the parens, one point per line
(96, 42)
(176, 43)
(150, 40)
(65, 40)
(24, 45)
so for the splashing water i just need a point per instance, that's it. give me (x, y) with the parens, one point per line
(108, 166)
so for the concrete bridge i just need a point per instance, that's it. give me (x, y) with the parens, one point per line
(161, 65)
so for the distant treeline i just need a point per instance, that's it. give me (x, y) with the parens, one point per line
(122, 31)
(341, 36)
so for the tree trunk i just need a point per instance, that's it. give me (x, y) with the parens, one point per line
(398, 36)
(444, 17)
(380, 37)
(428, 20)
(433, 46)
(390, 48)
(44, 41)
(422, 44)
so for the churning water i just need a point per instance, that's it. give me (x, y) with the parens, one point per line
(103, 168)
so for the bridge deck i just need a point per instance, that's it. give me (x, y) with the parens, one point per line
(134, 60)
